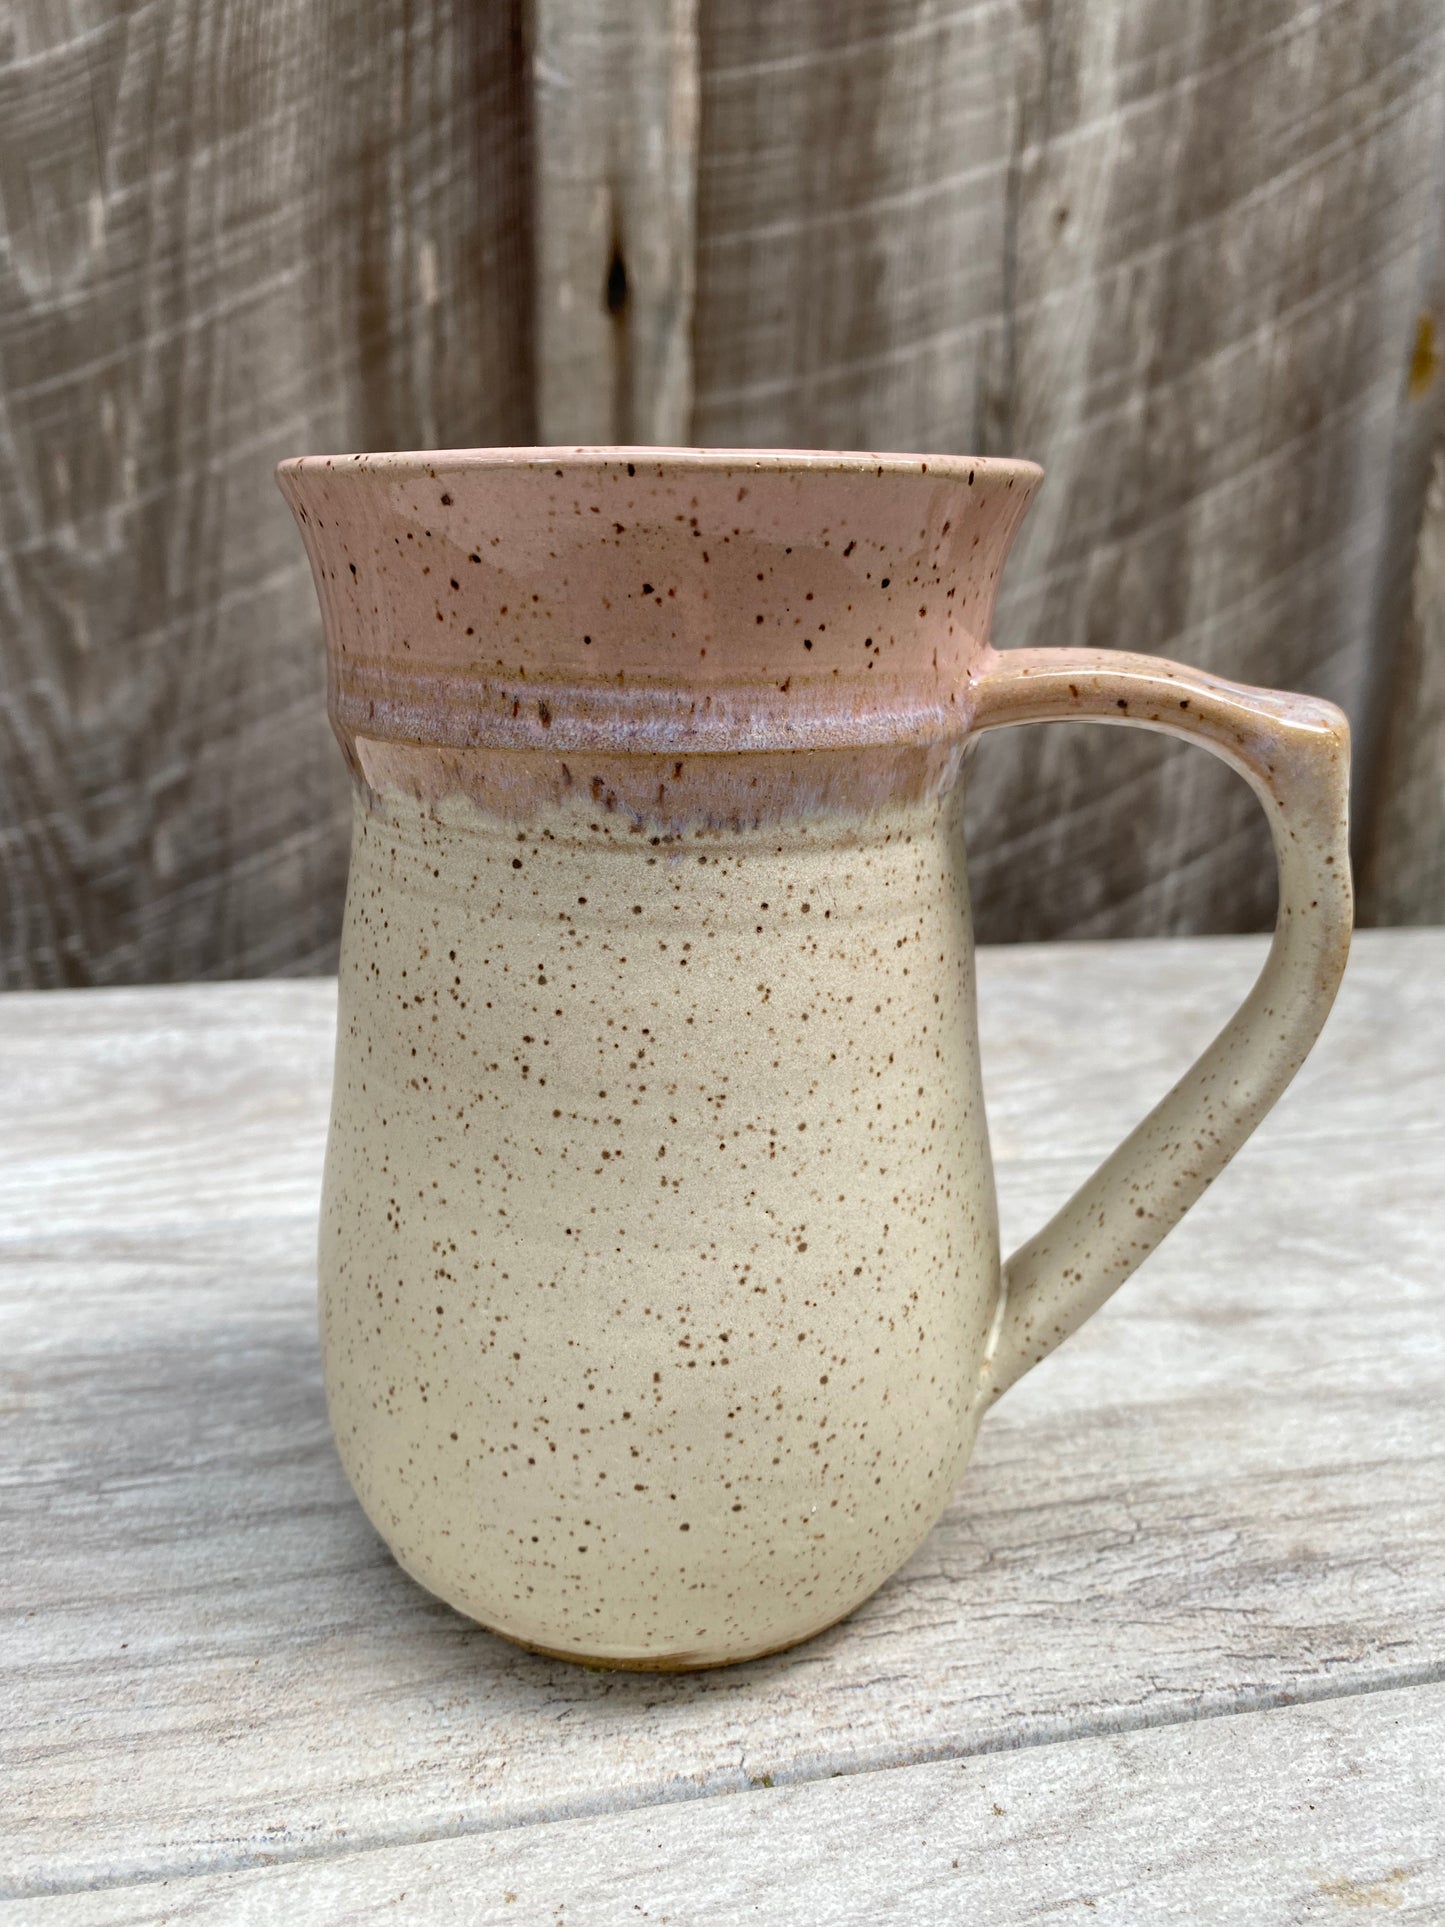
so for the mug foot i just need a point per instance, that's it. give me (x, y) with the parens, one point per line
(683, 1662)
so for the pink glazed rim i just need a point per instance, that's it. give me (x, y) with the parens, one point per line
(852, 614)
(833, 461)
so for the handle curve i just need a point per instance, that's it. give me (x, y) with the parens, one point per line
(1294, 753)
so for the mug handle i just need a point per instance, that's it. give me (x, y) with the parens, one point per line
(1293, 751)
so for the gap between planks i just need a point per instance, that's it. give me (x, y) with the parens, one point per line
(1118, 1725)
(1345, 1794)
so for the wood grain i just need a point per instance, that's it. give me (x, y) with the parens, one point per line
(1305, 1814)
(616, 91)
(1403, 877)
(229, 235)
(1223, 1494)
(1171, 251)
(1401, 858)
(1176, 249)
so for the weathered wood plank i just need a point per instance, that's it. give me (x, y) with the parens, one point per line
(1183, 1512)
(1403, 877)
(225, 236)
(1304, 1814)
(616, 92)
(1174, 249)
(1171, 249)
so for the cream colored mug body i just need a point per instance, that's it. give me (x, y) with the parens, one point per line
(661, 1295)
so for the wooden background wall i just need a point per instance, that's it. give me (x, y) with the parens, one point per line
(1188, 253)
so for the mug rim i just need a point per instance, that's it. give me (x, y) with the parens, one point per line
(570, 641)
(944, 467)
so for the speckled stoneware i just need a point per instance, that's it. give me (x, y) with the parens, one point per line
(660, 1283)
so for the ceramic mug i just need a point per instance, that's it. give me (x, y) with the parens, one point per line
(660, 1285)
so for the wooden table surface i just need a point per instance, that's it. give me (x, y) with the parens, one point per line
(1175, 1651)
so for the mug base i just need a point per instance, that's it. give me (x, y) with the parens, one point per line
(662, 1662)
(673, 1662)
